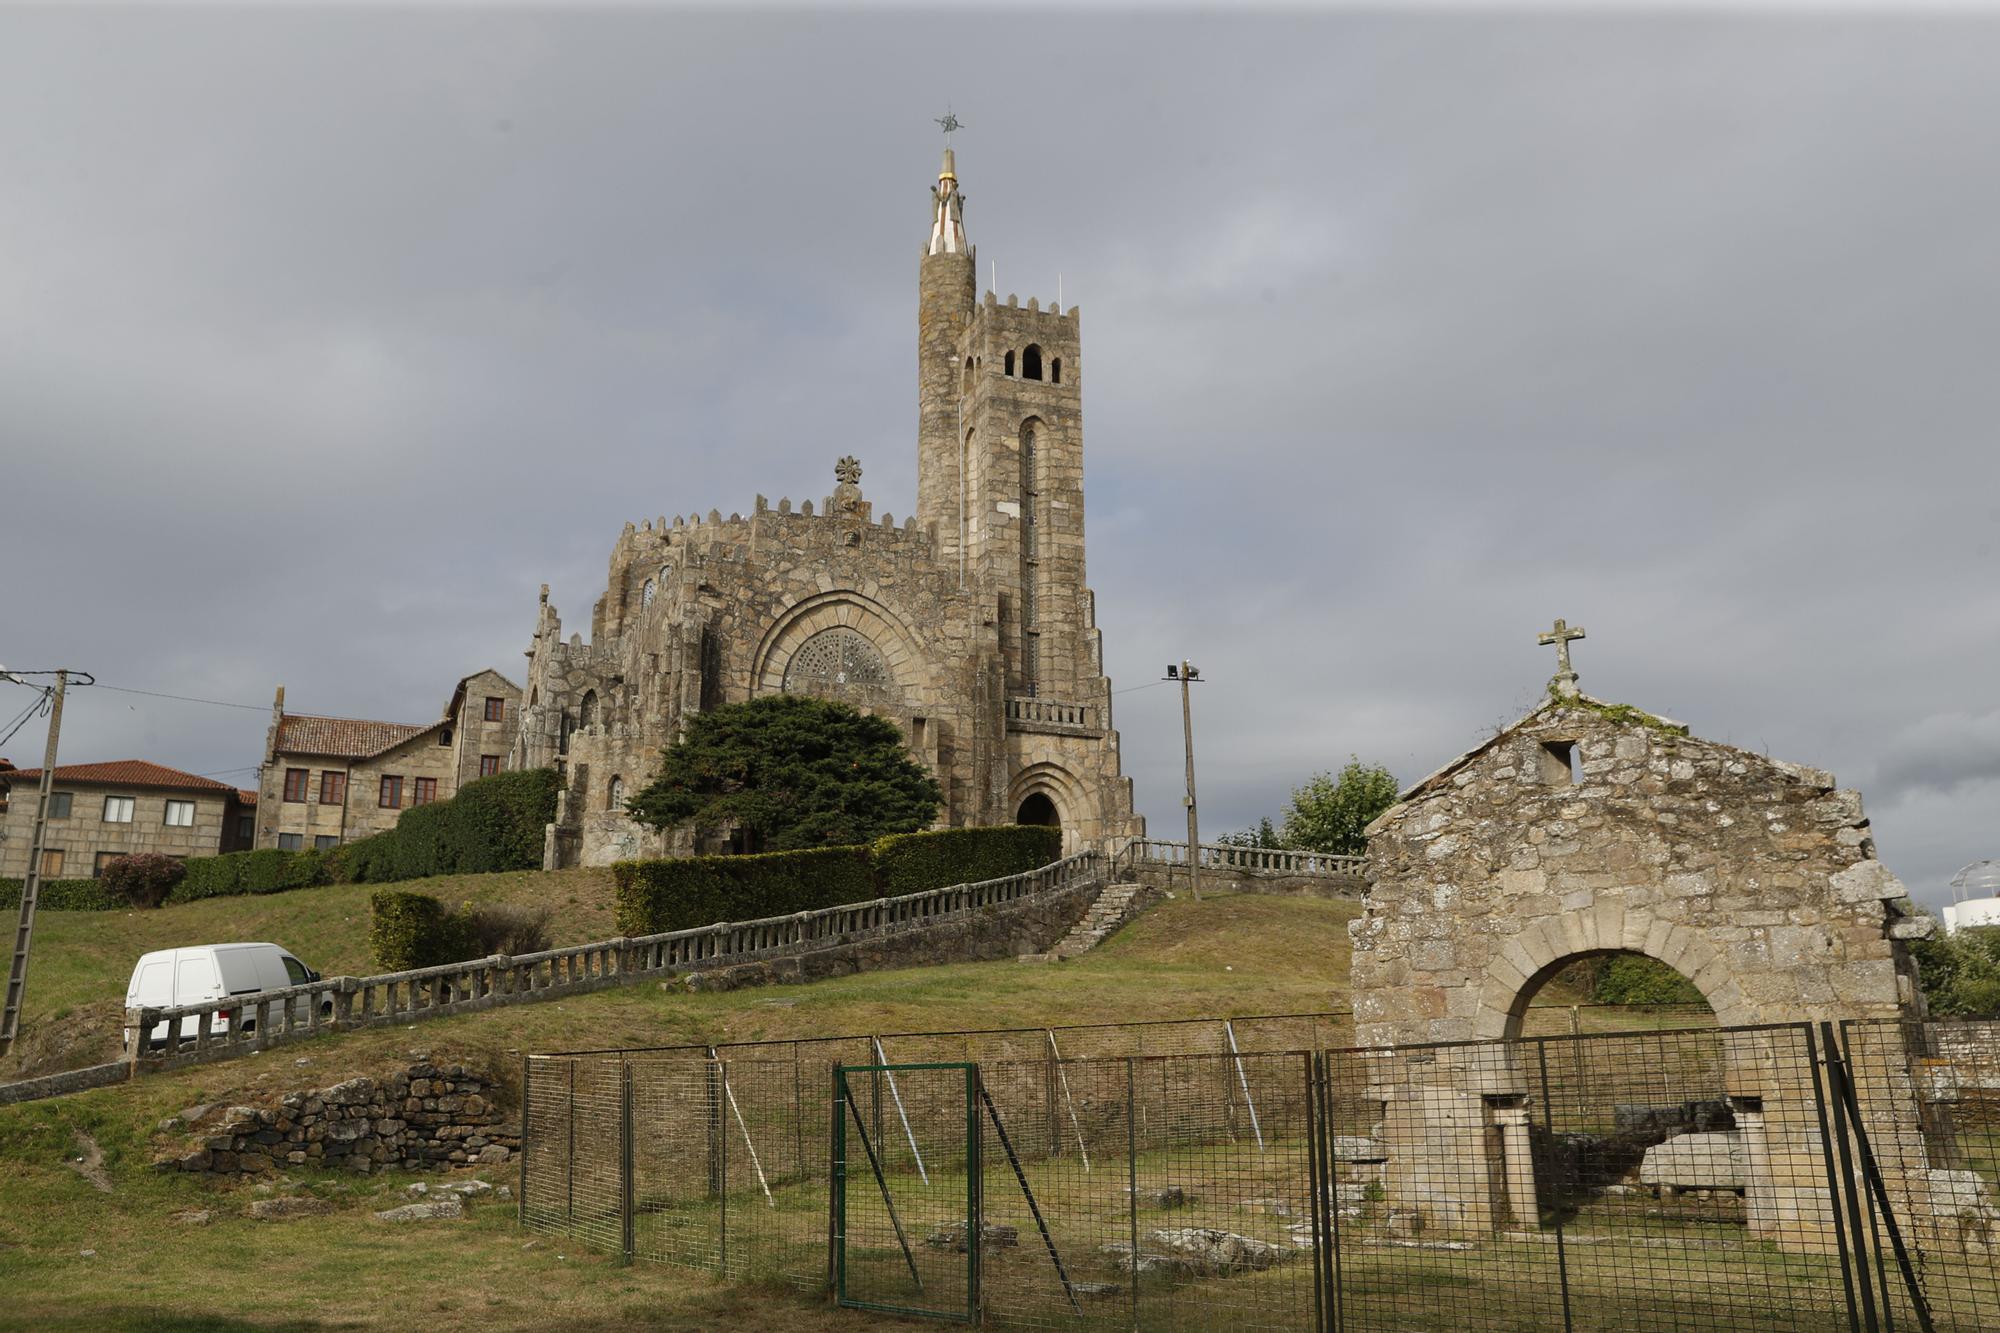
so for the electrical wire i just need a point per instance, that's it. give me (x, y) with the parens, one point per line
(40, 706)
(186, 699)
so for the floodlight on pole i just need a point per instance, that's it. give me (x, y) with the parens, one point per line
(1185, 675)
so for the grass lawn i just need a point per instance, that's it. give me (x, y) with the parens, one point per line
(83, 960)
(345, 1270)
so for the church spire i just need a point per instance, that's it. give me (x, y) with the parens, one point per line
(947, 211)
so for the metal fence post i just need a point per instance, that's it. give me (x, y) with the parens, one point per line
(1322, 1195)
(1132, 1179)
(625, 1182)
(569, 1162)
(521, 1185)
(718, 1077)
(1833, 1202)
(1852, 1192)
(1549, 1128)
(836, 1177)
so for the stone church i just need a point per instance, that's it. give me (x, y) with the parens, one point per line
(968, 624)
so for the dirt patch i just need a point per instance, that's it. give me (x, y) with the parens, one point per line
(88, 1034)
(91, 1164)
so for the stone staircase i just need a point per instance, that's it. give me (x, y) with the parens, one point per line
(1116, 905)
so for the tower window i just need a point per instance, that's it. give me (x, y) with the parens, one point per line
(968, 375)
(1055, 371)
(1031, 363)
(1008, 365)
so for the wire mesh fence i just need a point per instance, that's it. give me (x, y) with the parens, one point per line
(1788, 1177)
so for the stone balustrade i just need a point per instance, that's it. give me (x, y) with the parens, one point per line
(1221, 856)
(242, 1024)
(1053, 716)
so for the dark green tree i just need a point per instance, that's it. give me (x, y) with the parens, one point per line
(1327, 814)
(1960, 974)
(790, 771)
(1265, 835)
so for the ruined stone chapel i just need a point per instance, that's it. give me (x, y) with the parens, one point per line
(968, 624)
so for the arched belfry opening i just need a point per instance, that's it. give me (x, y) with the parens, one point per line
(1037, 809)
(1031, 362)
(1007, 364)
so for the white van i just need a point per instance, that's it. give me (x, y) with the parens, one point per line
(205, 973)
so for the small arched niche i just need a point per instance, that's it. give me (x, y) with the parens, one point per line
(586, 711)
(1007, 365)
(966, 384)
(1031, 362)
(614, 794)
(1055, 371)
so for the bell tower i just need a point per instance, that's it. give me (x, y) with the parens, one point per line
(944, 313)
(1023, 419)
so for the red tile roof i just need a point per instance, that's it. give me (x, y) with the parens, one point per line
(343, 737)
(245, 797)
(126, 773)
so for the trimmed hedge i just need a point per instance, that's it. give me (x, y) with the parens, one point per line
(681, 893)
(65, 895)
(412, 930)
(915, 862)
(686, 892)
(266, 870)
(494, 823)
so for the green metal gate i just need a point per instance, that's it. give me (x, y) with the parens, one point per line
(905, 1213)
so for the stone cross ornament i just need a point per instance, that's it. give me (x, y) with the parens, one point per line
(1560, 636)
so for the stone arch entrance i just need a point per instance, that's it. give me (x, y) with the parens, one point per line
(1037, 808)
(1050, 789)
(1535, 993)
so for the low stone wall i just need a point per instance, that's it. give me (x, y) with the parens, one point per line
(997, 933)
(57, 1085)
(425, 1118)
(1161, 876)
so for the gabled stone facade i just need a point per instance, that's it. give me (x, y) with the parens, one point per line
(968, 624)
(359, 776)
(1587, 827)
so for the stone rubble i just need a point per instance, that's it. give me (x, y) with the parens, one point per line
(427, 1117)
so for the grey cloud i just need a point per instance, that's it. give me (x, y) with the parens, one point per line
(327, 336)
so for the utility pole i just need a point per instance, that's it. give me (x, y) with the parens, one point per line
(31, 883)
(1189, 675)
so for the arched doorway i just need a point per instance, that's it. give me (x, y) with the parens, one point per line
(1038, 809)
(1607, 990)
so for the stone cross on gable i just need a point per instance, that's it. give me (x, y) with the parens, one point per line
(1560, 636)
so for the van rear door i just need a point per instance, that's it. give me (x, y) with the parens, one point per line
(153, 987)
(195, 982)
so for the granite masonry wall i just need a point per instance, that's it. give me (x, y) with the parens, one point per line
(428, 1117)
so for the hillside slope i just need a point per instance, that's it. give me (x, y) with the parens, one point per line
(82, 960)
(72, 1256)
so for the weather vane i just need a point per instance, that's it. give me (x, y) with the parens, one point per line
(948, 122)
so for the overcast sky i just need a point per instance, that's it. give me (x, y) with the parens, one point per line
(326, 336)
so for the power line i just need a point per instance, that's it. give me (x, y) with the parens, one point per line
(21, 719)
(186, 699)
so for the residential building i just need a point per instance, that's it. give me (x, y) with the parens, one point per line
(329, 780)
(98, 812)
